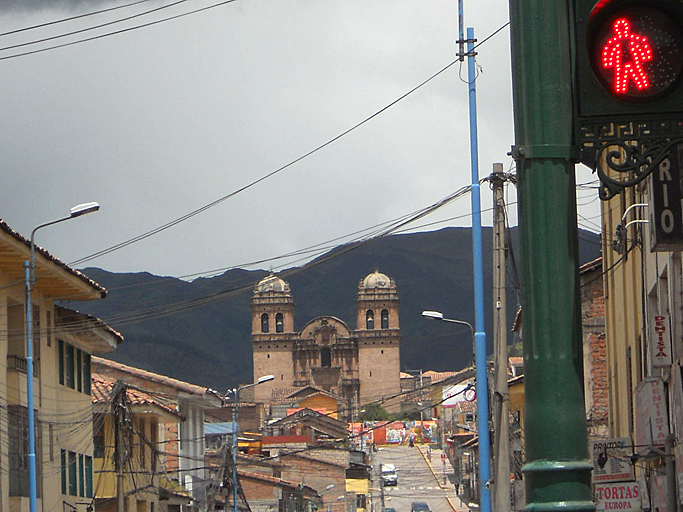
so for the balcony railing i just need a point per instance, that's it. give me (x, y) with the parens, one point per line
(19, 364)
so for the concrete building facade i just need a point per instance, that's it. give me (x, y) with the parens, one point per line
(63, 342)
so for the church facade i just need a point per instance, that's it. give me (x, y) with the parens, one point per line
(360, 365)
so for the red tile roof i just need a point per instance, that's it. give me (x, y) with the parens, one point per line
(68, 316)
(39, 250)
(438, 376)
(154, 377)
(102, 388)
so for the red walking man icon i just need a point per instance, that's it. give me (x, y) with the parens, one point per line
(626, 52)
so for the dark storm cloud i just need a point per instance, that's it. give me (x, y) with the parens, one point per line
(68, 6)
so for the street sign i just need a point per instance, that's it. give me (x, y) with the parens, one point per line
(610, 459)
(666, 207)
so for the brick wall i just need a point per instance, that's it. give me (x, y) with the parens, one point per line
(258, 490)
(318, 474)
(594, 351)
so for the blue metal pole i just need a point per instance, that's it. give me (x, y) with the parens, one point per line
(235, 447)
(477, 253)
(33, 495)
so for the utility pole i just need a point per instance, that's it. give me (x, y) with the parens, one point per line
(119, 415)
(501, 441)
(381, 485)
(557, 473)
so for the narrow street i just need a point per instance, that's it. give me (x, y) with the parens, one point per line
(418, 480)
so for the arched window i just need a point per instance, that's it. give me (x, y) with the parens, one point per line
(385, 319)
(369, 319)
(279, 323)
(325, 357)
(264, 323)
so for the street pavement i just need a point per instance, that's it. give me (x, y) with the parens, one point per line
(422, 476)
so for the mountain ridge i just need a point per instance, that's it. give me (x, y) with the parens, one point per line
(208, 344)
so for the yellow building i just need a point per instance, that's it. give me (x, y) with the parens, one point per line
(63, 341)
(358, 496)
(135, 466)
(623, 288)
(644, 326)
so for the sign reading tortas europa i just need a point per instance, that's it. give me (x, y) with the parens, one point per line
(624, 496)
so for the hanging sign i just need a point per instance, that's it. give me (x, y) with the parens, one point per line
(623, 496)
(610, 459)
(652, 421)
(660, 345)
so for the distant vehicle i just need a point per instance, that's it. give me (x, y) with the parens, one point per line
(389, 475)
(419, 506)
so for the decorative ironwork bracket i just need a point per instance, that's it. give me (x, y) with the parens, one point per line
(635, 161)
(633, 149)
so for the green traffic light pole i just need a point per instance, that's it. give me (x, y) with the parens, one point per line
(557, 470)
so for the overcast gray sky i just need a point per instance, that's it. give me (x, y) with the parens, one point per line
(157, 122)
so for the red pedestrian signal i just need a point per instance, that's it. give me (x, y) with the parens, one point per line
(626, 54)
(629, 59)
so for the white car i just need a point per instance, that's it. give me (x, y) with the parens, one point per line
(389, 475)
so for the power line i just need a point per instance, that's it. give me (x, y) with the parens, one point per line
(94, 27)
(129, 29)
(79, 16)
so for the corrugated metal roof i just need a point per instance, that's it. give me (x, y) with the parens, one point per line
(219, 428)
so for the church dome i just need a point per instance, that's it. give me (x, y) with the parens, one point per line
(376, 280)
(272, 283)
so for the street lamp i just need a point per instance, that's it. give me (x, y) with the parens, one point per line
(481, 386)
(30, 279)
(235, 429)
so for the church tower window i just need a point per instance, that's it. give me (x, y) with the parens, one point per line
(279, 323)
(369, 319)
(264, 323)
(385, 319)
(325, 357)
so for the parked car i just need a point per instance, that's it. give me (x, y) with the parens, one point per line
(389, 475)
(389, 509)
(419, 506)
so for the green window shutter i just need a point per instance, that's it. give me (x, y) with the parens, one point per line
(87, 377)
(88, 476)
(70, 366)
(79, 370)
(63, 459)
(60, 356)
(81, 476)
(73, 475)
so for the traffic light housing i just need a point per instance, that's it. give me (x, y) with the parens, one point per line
(628, 61)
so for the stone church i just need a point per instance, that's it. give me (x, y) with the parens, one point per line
(358, 365)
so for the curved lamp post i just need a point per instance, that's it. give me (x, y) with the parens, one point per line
(30, 279)
(235, 429)
(481, 386)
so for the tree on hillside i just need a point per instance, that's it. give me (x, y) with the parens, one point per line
(374, 412)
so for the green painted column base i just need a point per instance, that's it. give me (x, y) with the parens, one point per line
(547, 480)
